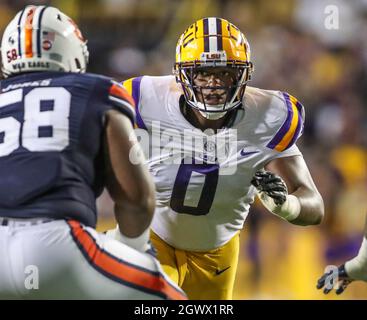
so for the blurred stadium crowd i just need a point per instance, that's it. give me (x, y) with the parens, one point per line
(293, 51)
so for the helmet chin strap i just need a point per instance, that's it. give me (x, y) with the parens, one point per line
(211, 115)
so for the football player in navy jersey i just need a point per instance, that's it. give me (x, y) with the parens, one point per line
(60, 144)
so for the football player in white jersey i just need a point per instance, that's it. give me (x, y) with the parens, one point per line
(242, 131)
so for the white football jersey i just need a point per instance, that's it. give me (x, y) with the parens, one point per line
(203, 180)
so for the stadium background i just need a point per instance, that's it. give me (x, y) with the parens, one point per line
(292, 51)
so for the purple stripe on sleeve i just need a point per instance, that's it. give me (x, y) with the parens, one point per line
(299, 128)
(301, 111)
(136, 96)
(286, 125)
(296, 134)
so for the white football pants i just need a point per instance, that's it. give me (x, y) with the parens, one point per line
(66, 260)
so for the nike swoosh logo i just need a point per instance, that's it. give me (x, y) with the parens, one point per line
(246, 154)
(218, 272)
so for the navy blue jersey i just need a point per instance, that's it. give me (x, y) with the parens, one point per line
(51, 136)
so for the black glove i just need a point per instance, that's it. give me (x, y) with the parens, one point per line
(271, 184)
(327, 281)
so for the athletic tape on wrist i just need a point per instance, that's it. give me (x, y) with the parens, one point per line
(289, 210)
(357, 267)
(139, 243)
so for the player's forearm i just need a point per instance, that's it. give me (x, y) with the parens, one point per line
(134, 218)
(311, 207)
(302, 206)
(130, 184)
(356, 268)
(133, 221)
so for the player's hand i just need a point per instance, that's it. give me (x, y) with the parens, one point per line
(272, 185)
(141, 243)
(340, 276)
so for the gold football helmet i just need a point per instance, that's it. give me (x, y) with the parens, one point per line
(212, 42)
